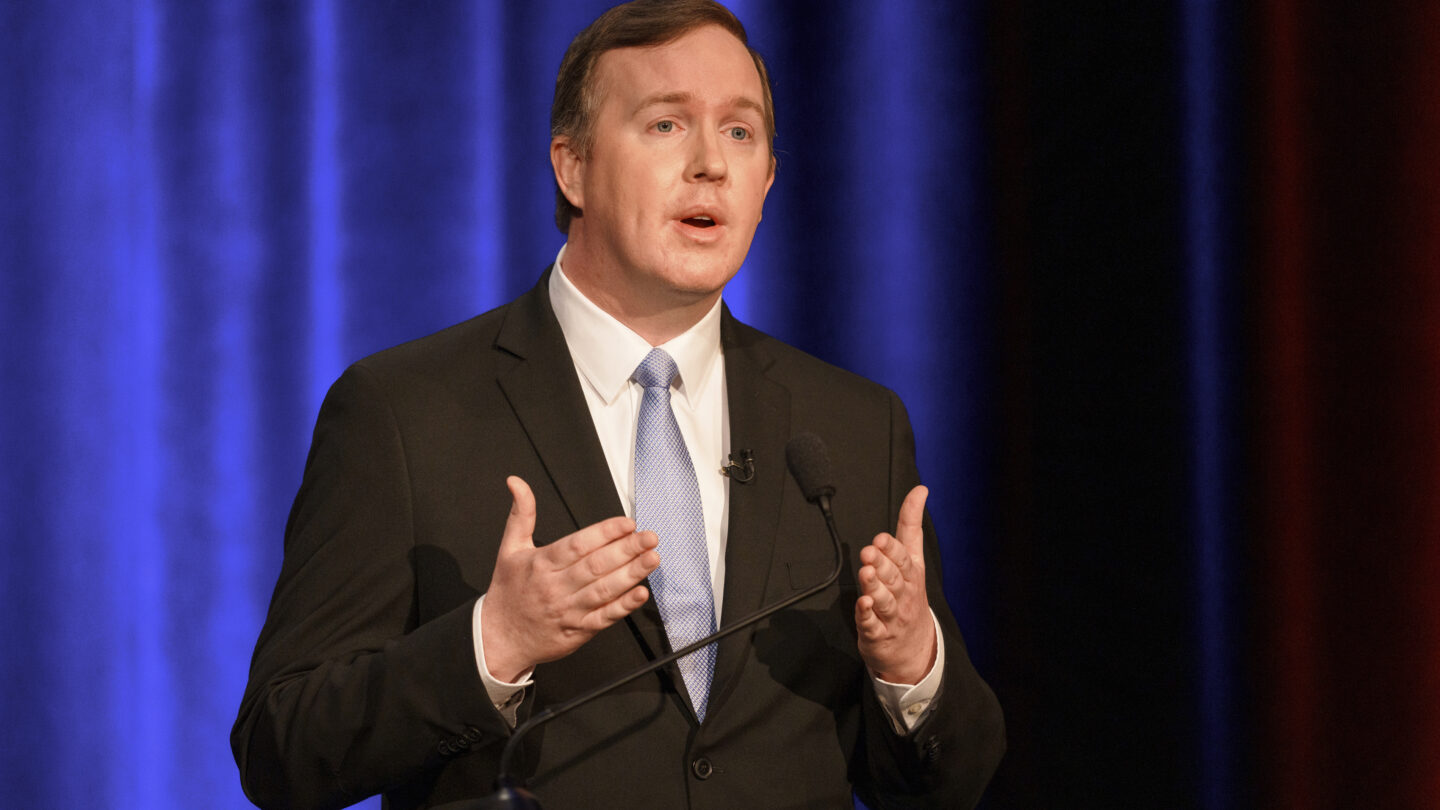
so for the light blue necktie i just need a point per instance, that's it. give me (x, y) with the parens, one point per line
(667, 502)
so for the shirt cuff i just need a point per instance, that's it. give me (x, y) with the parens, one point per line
(505, 696)
(908, 705)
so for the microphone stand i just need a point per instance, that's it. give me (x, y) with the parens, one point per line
(510, 792)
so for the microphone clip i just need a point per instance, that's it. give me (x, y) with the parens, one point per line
(741, 468)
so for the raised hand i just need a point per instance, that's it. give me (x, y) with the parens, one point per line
(543, 603)
(892, 616)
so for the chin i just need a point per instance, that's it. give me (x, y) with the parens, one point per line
(694, 274)
(703, 281)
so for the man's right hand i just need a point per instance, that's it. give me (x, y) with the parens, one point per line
(543, 603)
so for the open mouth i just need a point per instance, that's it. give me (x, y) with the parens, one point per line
(700, 221)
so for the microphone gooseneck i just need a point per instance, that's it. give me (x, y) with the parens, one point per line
(809, 463)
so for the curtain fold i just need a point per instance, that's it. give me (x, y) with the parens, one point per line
(1348, 448)
(211, 208)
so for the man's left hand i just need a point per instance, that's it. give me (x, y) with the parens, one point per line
(892, 615)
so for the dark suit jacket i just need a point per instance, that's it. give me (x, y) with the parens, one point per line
(364, 677)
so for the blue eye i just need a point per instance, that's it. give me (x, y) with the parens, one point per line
(739, 133)
(665, 126)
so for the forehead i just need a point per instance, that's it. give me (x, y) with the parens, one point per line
(706, 63)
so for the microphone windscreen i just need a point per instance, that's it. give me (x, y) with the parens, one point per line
(809, 462)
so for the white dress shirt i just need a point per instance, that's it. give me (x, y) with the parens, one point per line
(606, 353)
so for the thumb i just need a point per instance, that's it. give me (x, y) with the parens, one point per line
(520, 525)
(910, 530)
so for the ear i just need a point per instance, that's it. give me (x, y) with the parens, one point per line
(569, 174)
(769, 181)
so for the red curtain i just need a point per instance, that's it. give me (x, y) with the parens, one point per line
(1346, 396)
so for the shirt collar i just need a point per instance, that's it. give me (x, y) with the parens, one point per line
(606, 351)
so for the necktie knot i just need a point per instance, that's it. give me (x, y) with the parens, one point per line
(657, 370)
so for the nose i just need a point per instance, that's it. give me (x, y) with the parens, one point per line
(707, 159)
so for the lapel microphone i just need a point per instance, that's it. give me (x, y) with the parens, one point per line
(809, 464)
(741, 468)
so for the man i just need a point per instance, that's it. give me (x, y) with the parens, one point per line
(464, 548)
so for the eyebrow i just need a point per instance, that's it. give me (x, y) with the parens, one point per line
(742, 102)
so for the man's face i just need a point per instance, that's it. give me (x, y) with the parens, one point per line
(677, 174)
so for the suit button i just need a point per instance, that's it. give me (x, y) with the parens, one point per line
(702, 768)
(932, 750)
(445, 749)
(472, 734)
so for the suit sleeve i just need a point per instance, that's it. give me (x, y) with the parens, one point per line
(347, 696)
(949, 758)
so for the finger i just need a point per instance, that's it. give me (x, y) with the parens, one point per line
(885, 601)
(898, 557)
(520, 524)
(571, 548)
(911, 527)
(615, 554)
(869, 626)
(887, 569)
(612, 555)
(882, 598)
(612, 584)
(875, 555)
(616, 609)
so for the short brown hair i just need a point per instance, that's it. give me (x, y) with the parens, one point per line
(632, 25)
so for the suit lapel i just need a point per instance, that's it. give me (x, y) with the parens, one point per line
(543, 388)
(760, 422)
(544, 391)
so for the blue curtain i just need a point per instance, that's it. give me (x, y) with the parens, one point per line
(208, 209)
